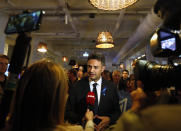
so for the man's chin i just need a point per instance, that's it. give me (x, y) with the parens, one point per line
(92, 78)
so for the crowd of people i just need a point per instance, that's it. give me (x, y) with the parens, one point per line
(47, 98)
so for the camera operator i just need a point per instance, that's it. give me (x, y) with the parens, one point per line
(157, 77)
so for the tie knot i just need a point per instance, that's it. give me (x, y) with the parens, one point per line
(94, 85)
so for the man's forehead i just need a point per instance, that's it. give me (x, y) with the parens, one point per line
(93, 61)
(95, 65)
(3, 60)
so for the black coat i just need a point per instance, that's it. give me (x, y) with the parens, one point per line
(76, 104)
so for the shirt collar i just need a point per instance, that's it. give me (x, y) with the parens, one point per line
(98, 82)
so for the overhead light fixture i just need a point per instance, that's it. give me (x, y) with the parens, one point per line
(112, 4)
(64, 59)
(43, 12)
(85, 54)
(42, 47)
(104, 40)
(66, 19)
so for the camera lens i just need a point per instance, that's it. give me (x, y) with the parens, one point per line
(155, 76)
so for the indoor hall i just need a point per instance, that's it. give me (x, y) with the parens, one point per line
(140, 38)
(70, 29)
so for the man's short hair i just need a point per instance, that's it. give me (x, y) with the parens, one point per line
(4, 56)
(98, 57)
(116, 71)
(73, 71)
(125, 71)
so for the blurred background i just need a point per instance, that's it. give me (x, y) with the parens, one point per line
(70, 29)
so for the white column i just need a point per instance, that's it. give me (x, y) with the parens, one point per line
(3, 22)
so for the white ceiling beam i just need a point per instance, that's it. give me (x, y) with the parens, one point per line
(11, 3)
(57, 9)
(144, 30)
(119, 22)
(63, 3)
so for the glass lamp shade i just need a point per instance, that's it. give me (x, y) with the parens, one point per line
(104, 40)
(112, 4)
(42, 47)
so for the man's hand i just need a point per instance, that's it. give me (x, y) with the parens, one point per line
(105, 120)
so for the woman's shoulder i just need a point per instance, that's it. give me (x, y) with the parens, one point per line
(68, 128)
(65, 128)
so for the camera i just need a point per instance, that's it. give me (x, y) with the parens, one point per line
(25, 22)
(165, 42)
(155, 76)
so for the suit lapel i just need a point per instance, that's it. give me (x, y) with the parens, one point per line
(86, 87)
(102, 93)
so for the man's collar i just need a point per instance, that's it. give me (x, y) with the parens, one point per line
(98, 82)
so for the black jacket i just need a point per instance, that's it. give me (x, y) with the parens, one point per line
(76, 104)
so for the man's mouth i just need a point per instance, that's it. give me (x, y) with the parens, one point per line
(91, 75)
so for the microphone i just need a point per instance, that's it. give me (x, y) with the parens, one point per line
(90, 100)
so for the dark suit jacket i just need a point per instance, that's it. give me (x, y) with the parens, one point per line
(76, 103)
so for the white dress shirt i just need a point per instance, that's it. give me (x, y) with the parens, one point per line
(98, 87)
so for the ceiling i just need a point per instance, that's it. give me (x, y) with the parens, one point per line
(79, 34)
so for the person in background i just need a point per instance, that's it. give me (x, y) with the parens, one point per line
(4, 60)
(123, 92)
(40, 99)
(80, 74)
(106, 75)
(116, 76)
(124, 79)
(131, 84)
(106, 107)
(85, 75)
(72, 78)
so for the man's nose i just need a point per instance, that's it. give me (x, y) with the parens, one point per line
(92, 69)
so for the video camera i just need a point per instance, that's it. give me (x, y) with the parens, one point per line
(155, 76)
(164, 43)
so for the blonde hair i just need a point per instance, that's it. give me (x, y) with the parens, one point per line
(40, 97)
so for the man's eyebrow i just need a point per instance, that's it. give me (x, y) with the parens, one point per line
(93, 65)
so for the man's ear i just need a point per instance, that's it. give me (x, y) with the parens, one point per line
(103, 68)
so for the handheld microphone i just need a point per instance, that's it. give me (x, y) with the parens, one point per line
(90, 100)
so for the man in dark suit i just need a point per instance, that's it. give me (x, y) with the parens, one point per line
(106, 95)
